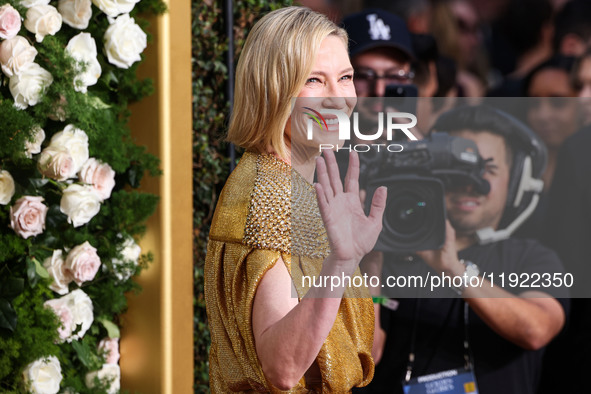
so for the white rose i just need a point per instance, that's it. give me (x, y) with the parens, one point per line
(56, 164)
(33, 146)
(83, 263)
(115, 7)
(124, 42)
(124, 266)
(27, 216)
(28, 86)
(74, 309)
(15, 54)
(58, 273)
(75, 13)
(43, 20)
(110, 374)
(6, 187)
(33, 3)
(81, 305)
(80, 204)
(100, 175)
(82, 47)
(43, 376)
(75, 141)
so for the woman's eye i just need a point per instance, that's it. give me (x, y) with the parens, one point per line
(313, 80)
(347, 77)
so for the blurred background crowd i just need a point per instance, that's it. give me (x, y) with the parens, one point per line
(478, 50)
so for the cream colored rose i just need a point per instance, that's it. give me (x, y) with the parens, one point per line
(110, 347)
(109, 374)
(33, 3)
(124, 42)
(80, 204)
(15, 54)
(33, 146)
(28, 86)
(43, 20)
(6, 187)
(83, 263)
(10, 22)
(75, 141)
(75, 13)
(27, 216)
(43, 376)
(62, 309)
(82, 47)
(100, 175)
(115, 7)
(81, 305)
(60, 276)
(56, 164)
(75, 312)
(124, 266)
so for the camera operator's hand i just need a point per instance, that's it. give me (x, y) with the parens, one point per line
(445, 259)
(351, 233)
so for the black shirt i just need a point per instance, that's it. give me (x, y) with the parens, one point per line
(568, 231)
(500, 366)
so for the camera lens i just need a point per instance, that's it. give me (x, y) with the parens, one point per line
(407, 213)
(414, 218)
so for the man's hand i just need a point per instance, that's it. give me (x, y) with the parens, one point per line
(444, 259)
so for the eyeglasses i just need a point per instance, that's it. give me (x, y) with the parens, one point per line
(554, 102)
(368, 77)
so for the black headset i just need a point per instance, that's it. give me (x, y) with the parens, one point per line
(529, 161)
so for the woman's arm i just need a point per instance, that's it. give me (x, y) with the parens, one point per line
(288, 335)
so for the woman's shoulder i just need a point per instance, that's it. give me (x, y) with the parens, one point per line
(254, 206)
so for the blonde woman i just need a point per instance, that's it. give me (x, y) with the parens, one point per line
(270, 331)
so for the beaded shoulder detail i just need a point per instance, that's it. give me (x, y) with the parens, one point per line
(283, 213)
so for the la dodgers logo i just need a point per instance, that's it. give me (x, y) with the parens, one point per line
(378, 30)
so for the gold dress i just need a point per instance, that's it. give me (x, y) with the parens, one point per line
(253, 226)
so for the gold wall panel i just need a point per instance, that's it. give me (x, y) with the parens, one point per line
(157, 333)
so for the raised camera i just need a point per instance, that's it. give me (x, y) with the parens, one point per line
(416, 178)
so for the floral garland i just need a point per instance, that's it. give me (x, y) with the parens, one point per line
(69, 212)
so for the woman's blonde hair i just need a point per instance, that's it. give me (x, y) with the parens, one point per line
(275, 63)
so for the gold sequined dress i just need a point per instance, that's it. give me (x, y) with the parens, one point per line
(265, 211)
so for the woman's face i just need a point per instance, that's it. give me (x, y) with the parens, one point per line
(552, 115)
(329, 86)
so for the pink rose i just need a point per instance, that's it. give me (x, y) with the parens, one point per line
(83, 263)
(100, 175)
(61, 308)
(27, 216)
(56, 164)
(10, 22)
(110, 346)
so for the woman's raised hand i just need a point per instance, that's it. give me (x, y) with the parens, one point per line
(351, 233)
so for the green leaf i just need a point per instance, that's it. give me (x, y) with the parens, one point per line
(40, 270)
(7, 315)
(38, 183)
(11, 287)
(31, 272)
(112, 329)
(97, 103)
(84, 354)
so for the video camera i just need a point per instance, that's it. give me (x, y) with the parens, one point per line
(416, 178)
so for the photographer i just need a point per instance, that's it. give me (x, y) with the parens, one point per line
(498, 335)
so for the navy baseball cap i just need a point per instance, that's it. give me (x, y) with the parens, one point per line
(375, 28)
